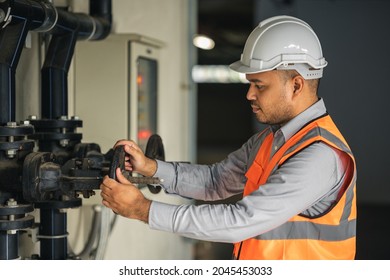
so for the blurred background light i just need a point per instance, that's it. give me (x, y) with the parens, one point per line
(203, 42)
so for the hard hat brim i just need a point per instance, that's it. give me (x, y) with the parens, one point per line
(306, 71)
(238, 66)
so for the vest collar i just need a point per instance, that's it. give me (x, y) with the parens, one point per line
(315, 111)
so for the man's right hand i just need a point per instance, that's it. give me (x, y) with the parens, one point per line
(135, 159)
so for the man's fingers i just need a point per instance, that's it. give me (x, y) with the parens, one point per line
(104, 195)
(121, 179)
(132, 149)
(108, 183)
(121, 143)
(125, 143)
(106, 203)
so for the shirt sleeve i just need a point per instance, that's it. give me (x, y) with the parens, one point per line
(301, 182)
(208, 182)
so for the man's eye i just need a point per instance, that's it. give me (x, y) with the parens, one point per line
(259, 87)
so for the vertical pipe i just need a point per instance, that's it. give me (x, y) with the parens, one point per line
(101, 9)
(53, 234)
(54, 101)
(11, 44)
(9, 245)
(7, 94)
(69, 28)
(26, 15)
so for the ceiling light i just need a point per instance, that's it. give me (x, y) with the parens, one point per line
(203, 42)
(216, 74)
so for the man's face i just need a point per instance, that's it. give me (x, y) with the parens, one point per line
(270, 96)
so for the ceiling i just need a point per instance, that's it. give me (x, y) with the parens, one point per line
(228, 23)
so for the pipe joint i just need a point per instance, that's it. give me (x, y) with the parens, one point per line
(51, 17)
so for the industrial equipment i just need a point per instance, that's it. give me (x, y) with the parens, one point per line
(43, 163)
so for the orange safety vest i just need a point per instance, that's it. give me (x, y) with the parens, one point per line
(331, 235)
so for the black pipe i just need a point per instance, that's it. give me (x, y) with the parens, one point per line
(69, 28)
(101, 10)
(53, 234)
(42, 16)
(26, 15)
(54, 101)
(9, 246)
(54, 73)
(65, 28)
(13, 218)
(11, 44)
(53, 231)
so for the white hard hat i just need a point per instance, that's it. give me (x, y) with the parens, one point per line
(283, 43)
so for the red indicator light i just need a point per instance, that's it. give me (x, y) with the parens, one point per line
(140, 79)
(144, 134)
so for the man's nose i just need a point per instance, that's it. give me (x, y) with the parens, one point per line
(250, 95)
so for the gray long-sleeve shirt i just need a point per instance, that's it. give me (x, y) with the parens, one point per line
(307, 183)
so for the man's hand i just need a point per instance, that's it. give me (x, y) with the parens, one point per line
(136, 160)
(124, 198)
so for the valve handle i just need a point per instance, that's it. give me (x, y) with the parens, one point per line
(118, 160)
(154, 149)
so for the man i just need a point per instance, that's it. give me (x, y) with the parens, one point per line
(297, 176)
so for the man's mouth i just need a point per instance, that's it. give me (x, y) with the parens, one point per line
(255, 108)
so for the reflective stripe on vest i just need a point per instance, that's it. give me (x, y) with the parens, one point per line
(309, 230)
(328, 236)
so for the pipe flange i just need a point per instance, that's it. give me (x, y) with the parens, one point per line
(14, 216)
(23, 145)
(65, 204)
(50, 136)
(16, 130)
(16, 138)
(17, 224)
(6, 210)
(53, 124)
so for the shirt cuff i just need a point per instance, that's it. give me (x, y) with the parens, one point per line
(161, 216)
(166, 172)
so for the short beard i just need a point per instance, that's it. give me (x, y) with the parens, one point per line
(281, 117)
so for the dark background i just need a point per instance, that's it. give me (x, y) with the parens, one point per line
(355, 40)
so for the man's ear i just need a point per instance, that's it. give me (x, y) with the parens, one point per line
(298, 84)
